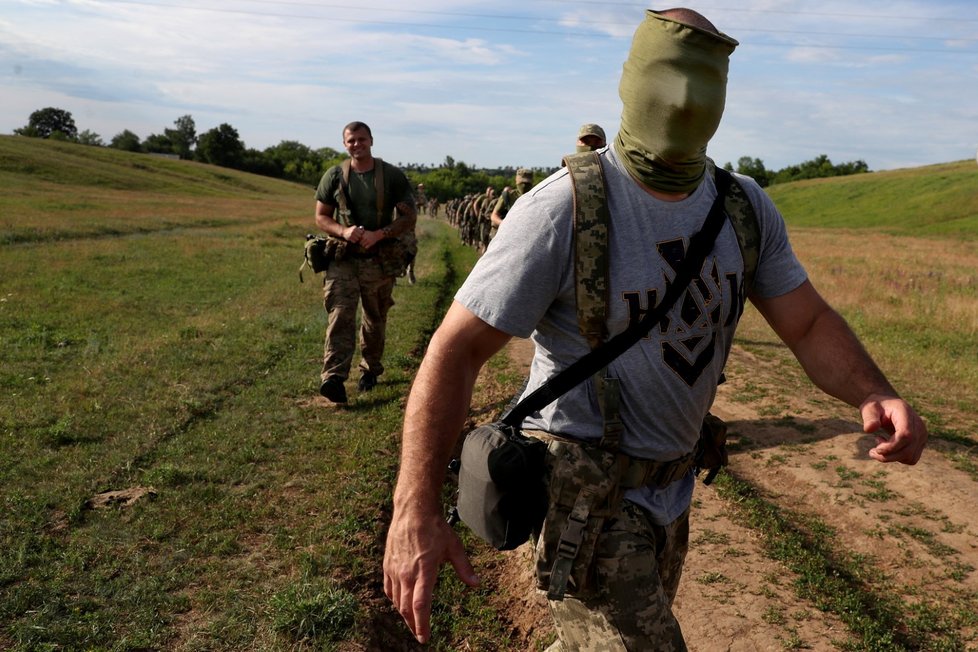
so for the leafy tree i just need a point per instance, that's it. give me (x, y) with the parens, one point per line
(45, 122)
(158, 144)
(221, 146)
(817, 168)
(754, 167)
(184, 137)
(126, 141)
(254, 161)
(89, 137)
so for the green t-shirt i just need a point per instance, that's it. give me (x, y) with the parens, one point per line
(363, 195)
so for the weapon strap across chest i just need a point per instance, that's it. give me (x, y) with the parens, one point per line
(591, 224)
(700, 245)
(344, 196)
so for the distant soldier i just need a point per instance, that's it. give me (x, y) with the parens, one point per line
(590, 137)
(420, 200)
(483, 211)
(524, 181)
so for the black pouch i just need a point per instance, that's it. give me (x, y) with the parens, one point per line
(502, 495)
(711, 451)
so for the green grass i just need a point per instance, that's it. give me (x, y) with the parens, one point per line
(938, 200)
(154, 334)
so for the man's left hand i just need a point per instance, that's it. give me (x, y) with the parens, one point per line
(906, 433)
(370, 239)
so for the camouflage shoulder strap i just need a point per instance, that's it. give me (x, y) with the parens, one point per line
(591, 218)
(591, 268)
(345, 188)
(742, 217)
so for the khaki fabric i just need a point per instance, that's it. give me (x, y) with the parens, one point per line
(638, 568)
(673, 89)
(347, 283)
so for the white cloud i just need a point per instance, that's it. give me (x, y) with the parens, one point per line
(490, 83)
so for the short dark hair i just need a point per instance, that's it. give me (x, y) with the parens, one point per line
(689, 17)
(357, 126)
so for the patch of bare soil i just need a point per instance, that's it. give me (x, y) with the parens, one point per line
(806, 453)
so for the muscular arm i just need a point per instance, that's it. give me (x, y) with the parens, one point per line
(326, 222)
(404, 219)
(835, 360)
(419, 540)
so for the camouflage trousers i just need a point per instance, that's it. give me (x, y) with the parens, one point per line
(635, 575)
(348, 284)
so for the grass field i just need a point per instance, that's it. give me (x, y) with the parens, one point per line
(155, 338)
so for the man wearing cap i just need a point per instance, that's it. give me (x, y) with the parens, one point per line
(590, 137)
(524, 181)
(660, 187)
(367, 204)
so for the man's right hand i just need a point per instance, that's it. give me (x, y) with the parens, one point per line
(417, 546)
(420, 540)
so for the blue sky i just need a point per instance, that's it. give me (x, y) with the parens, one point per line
(894, 82)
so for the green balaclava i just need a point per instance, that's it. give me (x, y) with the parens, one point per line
(673, 87)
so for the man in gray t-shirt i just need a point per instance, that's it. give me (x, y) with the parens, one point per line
(659, 194)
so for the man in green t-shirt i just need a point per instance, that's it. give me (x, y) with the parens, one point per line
(355, 204)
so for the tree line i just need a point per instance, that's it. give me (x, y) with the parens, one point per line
(296, 162)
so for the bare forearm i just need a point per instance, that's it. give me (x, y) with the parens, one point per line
(326, 222)
(837, 362)
(439, 403)
(433, 420)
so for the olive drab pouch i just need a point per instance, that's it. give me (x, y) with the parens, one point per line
(502, 496)
(711, 451)
(320, 251)
(584, 493)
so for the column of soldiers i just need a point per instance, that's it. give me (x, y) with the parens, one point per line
(471, 216)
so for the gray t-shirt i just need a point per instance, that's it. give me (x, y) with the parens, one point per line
(524, 285)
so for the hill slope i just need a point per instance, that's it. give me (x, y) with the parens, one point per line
(936, 200)
(55, 190)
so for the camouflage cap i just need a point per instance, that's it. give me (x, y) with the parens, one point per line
(523, 175)
(591, 129)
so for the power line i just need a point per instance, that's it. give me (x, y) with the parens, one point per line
(589, 34)
(823, 14)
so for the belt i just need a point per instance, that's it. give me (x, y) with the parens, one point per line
(652, 473)
(637, 472)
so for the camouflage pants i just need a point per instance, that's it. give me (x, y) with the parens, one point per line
(347, 284)
(638, 565)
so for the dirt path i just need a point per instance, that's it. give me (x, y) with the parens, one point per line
(806, 453)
